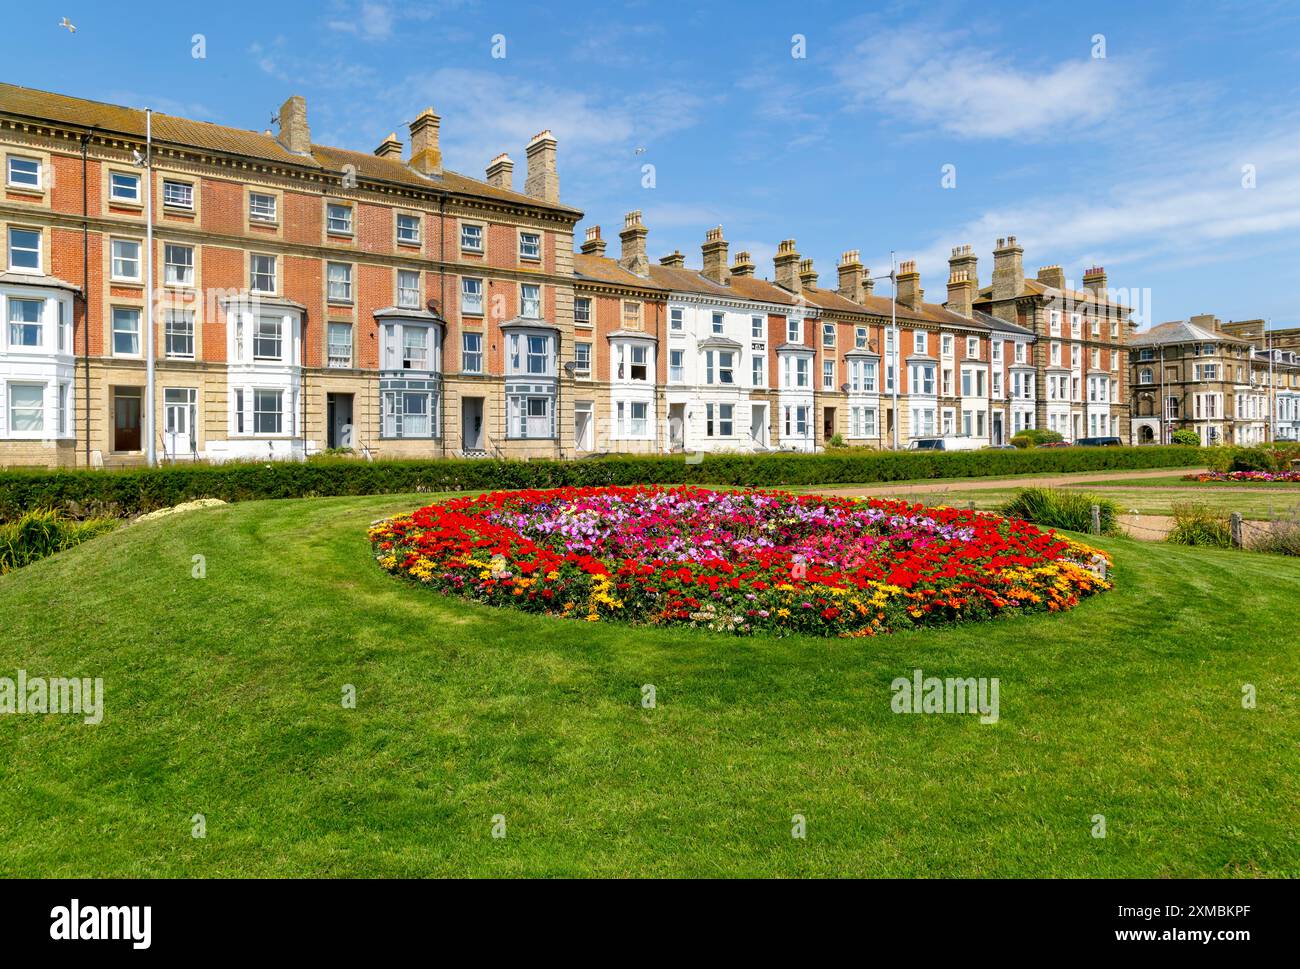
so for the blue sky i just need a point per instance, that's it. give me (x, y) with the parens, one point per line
(1137, 160)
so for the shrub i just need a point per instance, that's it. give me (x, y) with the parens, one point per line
(135, 491)
(837, 440)
(1196, 523)
(1281, 536)
(39, 533)
(1032, 437)
(1058, 508)
(1185, 438)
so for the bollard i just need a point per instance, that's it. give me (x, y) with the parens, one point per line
(1234, 523)
(1096, 519)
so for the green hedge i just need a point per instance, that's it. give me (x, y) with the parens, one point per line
(135, 491)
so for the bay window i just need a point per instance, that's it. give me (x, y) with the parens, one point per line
(268, 411)
(25, 325)
(26, 408)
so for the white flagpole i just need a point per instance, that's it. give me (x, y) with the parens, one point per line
(151, 450)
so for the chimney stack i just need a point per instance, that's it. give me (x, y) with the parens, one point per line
(501, 173)
(674, 260)
(593, 245)
(715, 256)
(1008, 269)
(807, 275)
(963, 280)
(1052, 276)
(294, 133)
(1094, 281)
(390, 147)
(961, 293)
(910, 293)
(743, 265)
(543, 181)
(426, 156)
(786, 262)
(633, 236)
(851, 273)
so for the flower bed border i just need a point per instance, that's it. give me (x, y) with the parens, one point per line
(1009, 567)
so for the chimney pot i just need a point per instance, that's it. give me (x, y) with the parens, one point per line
(851, 273)
(1008, 270)
(743, 266)
(807, 275)
(910, 293)
(593, 244)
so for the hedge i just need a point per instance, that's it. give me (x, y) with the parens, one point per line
(125, 493)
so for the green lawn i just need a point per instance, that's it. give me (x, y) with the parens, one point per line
(1252, 501)
(223, 698)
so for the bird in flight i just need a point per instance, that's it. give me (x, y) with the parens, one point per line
(68, 25)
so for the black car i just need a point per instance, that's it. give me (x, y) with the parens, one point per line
(1099, 442)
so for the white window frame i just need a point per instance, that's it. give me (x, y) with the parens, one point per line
(115, 196)
(339, 353)
(338, 282)
(258, 211)
(39, 174)
(12, 248)
(115, 260)
(338, 219)
(186, 276)
(412, 238)
(177, 194)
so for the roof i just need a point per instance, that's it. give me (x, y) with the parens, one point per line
(1004, 326)
(169, 129)
(1180, 331)
(605, 270)
(1034, 287)
(37, 279)
(737, 287)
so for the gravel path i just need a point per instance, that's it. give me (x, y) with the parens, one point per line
(1032, 481)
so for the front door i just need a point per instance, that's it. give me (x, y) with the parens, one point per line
(582, 419)
(179, 418)
(676, 427)
(828, 423)
(758, 424)
(471, 423)
(126, 418)
(997, 429)
(339, 408)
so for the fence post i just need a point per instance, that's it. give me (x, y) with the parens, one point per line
(1234, 522)
(1096, 519)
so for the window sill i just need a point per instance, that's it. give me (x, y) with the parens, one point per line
(264, 223)
(408, 243)
(135, 204)
(121, 281)
(470, 252)
(178, 210)
(345, 236)
(37, 193)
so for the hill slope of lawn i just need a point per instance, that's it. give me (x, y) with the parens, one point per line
(223, 698)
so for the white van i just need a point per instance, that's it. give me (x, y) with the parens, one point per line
(951, 443)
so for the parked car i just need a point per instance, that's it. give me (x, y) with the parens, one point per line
(999, 447)
(951, 443)
(1099, 442)
(1055, 444)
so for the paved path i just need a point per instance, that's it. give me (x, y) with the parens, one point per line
(981, 484)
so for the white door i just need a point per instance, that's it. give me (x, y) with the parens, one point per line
(179, 406)
(582, 425)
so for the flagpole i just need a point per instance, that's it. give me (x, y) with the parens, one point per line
(151, 450)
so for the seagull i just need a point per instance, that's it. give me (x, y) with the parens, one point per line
(68, 25)
(639, 151)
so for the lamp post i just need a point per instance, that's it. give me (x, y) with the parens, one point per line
(893, 328)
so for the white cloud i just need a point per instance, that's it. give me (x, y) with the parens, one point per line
(947, 81)
(370, 21)
(1186, 213)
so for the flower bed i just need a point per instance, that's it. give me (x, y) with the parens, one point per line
(1245, 477)
(736, 561)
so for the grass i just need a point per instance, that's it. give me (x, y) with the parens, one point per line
(223, 698)
(1148, 500)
